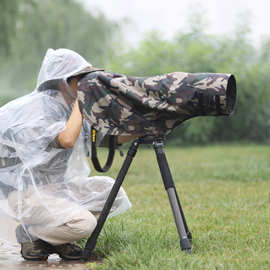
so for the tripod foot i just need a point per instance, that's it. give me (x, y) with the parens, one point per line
(88, 249)
(185, 245)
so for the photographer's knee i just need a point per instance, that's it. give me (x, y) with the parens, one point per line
(84, 224)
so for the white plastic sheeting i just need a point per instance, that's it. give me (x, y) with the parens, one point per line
(40, 182)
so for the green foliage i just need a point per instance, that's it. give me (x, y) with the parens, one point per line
(56, 24)
(9, 10)
(194, 51)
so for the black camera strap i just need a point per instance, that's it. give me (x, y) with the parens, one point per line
(94, 157)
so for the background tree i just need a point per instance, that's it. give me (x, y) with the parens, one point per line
(9, 11)
(194, 51)
(54, 24)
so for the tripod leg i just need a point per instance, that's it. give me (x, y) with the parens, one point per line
(91, 242)
(183, 231)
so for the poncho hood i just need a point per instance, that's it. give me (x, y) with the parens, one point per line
(59, 65)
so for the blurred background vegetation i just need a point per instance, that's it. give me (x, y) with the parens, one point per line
(29, 27)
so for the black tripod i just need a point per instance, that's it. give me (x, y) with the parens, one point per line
(158, 144)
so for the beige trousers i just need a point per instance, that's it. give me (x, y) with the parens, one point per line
(80, 226)
(76, 226)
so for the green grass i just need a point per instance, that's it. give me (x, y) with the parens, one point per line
(224, 191)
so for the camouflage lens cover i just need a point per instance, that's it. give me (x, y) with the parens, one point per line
(123, 105)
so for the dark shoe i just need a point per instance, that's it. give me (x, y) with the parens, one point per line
(36, 251)
(68, 251)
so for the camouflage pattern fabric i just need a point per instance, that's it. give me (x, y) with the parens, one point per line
(123, 105)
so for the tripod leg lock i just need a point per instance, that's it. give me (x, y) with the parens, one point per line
(133, 149)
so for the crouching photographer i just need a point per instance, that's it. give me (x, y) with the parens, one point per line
(44, 183)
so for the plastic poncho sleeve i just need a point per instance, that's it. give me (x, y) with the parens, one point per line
(29, 127)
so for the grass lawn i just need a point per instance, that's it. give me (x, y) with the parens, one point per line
(224, 191)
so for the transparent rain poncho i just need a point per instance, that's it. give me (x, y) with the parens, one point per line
(42, 183)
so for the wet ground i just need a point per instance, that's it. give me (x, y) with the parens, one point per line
(10, 259)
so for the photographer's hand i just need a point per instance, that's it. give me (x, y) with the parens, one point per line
(69, 135)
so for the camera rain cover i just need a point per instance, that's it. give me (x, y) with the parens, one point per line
(123, 105)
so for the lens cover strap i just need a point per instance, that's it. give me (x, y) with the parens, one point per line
(94, 157)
